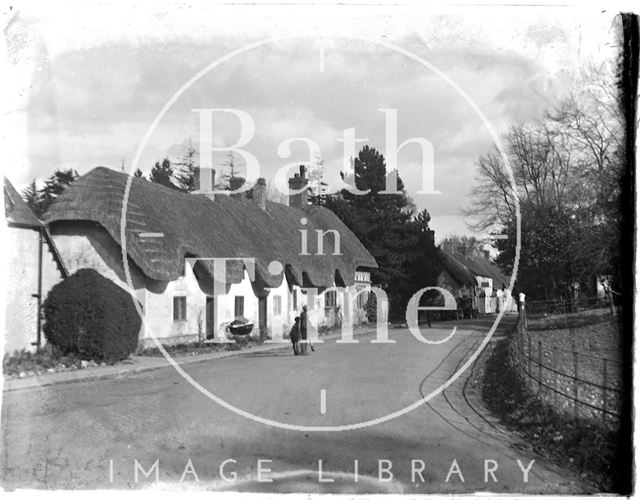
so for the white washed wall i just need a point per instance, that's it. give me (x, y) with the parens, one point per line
(21, 272)
(21, 275)
(88, 245)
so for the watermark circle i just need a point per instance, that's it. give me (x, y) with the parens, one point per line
(320, 428)
(275, 267)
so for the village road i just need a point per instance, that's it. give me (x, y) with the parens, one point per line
(90, 434)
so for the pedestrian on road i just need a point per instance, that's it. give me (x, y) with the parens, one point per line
(521, 299)
(294, 335)
(304, 322)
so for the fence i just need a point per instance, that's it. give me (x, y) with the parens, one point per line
(551, 353)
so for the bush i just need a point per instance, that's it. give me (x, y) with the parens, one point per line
(89, 315)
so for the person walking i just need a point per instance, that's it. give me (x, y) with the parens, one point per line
(304, 322)
(294, 335)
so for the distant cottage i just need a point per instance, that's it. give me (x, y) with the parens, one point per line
(474, 276)
(167, 231)
(33, 267)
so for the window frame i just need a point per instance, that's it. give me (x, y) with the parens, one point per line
(330, 303)
(277, 305)
(179, 308)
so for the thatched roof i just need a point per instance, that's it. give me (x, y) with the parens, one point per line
(464, 269)
(484, 267)
(196, 226)
(16, 211)
(457, 269)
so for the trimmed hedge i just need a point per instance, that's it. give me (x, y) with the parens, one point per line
(89, 315)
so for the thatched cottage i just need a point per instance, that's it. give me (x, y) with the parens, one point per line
(471, 275)
(33, 266)
(170, 234)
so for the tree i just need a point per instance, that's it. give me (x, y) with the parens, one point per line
(138, 173)
(186, 169)
(387, 227)
(162, 173)
(40, 199)
(566, 174)
(228, 172)
(422, 219)
(467, 245)
(55, 185)
(318, 188)
(32, 197)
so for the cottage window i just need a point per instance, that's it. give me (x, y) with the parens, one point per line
(239, 306)
(277, 305)
(331, 299)
(294, 300)
(180, 308)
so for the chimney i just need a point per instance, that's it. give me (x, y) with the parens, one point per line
(204, 181)
(298, 181)
(259, 193)
(431, 238)
(236, 183)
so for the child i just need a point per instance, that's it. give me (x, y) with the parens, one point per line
(294, 335)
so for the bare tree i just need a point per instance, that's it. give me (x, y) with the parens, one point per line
(566, 169)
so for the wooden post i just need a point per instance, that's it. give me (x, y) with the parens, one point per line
(529, 356)
(604, 390)
(575, 384)
(611, 304)
(539, 366)
(555, 375)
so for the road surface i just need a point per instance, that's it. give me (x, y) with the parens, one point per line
(110, 433)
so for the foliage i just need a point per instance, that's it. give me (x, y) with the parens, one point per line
(186, 169)
(40, 199)
(47, 360)
(32, 197)
(138, 173)
(318, 188)
(89, 315)
(566, 174)
(580, 445)
(467, 245)
(388, 227)
(229, 171)
(162, 173)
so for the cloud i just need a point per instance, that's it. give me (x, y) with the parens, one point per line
(92, 100)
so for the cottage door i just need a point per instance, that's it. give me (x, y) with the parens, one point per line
(262, 316)
(210, 318)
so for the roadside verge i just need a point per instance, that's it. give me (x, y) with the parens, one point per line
(139, 364)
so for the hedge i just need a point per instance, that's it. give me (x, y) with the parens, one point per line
(89, 315)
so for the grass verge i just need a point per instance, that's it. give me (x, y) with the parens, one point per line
(580, 445)
(23, 363)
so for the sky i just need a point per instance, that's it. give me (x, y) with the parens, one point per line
(85, 83)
